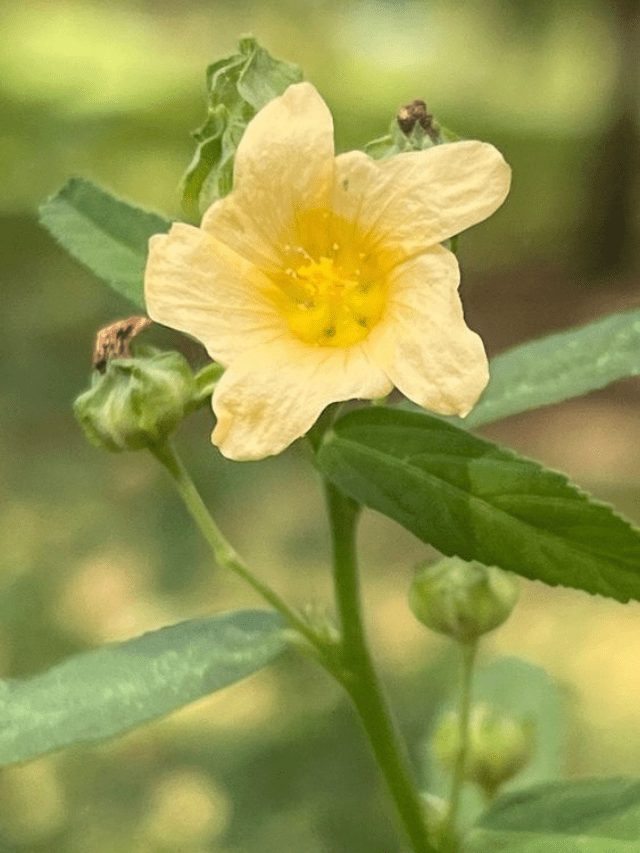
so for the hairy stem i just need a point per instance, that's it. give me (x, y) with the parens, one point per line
(360, 678)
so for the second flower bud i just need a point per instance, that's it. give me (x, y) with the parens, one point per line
(462, 600)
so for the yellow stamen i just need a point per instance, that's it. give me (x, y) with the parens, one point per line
(328, 305)
(332, 288)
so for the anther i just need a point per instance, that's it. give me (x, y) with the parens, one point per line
(304, 254)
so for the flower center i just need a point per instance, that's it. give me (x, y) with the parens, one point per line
(332, 303)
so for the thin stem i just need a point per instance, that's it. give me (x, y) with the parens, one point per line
(223, 551)
(468, 653)
(360, 678)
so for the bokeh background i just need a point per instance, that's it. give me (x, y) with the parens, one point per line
(96, 547)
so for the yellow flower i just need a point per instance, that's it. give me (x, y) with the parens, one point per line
(321, 278)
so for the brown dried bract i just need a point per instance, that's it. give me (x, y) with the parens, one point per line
(113, 341)
(416, 113)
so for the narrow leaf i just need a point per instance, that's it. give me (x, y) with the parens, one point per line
(559, 367)
(106, 234)
(468, 497)
(586, 816)
(105, 692)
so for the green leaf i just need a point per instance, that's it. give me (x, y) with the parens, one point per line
(106, 234)
(105, 692)
(586, 816)
(468, 497)
(559, 367)
(238, 87)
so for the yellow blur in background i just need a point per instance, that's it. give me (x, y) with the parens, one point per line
(96, 547)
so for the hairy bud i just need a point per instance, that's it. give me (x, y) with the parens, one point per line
(462, 600)
(137, 402)
(499, 746)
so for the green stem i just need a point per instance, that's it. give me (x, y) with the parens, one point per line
(354, 668)
(223, 551)
(360, 679)
(468, 657)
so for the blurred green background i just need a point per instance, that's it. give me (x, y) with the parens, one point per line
(95, 547)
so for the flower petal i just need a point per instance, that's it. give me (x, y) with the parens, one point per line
(197, 285)
(355, 174)
(275, 393)
(423, 343)
(283, 167)
(421, 198)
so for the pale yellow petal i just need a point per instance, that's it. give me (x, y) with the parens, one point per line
(274, 394)
(197, 285)
(423, 343)
(283, 168)
(355, 174)
(421, 198)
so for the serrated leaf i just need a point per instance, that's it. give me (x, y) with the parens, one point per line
(106, 234)
(559, 367)
(108, 691)
(238, 87)
(586, 816)
(470, 498)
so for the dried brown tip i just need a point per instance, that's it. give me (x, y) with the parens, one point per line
(416, 113)
(113, 341)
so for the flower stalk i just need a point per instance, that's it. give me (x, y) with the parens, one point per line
(468, 654)
(223, 551)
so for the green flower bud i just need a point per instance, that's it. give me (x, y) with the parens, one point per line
(499, 746)
(137, 402)
(462, 600)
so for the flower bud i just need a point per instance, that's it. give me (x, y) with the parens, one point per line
(462, 600)
(499, 746)
(137, 402)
